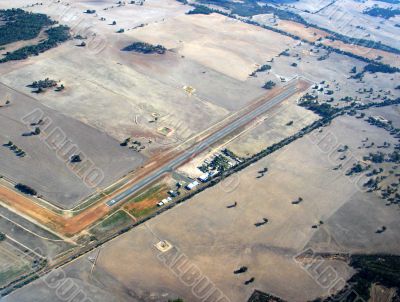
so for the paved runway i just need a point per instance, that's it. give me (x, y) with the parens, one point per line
(290, 90)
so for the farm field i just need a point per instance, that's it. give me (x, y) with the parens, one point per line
(62, 183)
(347, 17)
(349, 221)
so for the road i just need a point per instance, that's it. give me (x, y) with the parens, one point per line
(290, 90)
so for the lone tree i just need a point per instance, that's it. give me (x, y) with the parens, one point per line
(76, 158)
(125, 142)
(269, 85)
(5, 104)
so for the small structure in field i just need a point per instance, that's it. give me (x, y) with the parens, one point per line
(163, 246)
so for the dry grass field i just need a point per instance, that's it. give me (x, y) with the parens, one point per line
(346, 17)
(218, 240)
(57, 180)
(313, 34)
(13, 263)
(216, 42)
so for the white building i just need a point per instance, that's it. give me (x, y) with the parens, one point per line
(192, 185)
(204, 177)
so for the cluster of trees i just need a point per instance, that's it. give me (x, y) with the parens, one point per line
(21, 25)
(219, 163)
(145, 48)
(200, 10)
(376, 158)
(18, 151)
(134, 145)
(251, 8)
(382, 12)
(390, 1)
(269, 85)
(324, 110)
(56, 35)
(380, 157)
(25, 189)
(388, 126)
(373, 68)
(262, 68)
(44, 84)
(362, 42)
(356, 168)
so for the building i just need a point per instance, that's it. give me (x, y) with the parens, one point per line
(172, 193)
(164, 201)
(192, 185)
(204, 177)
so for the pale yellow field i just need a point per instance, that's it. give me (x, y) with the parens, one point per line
(220, 43)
